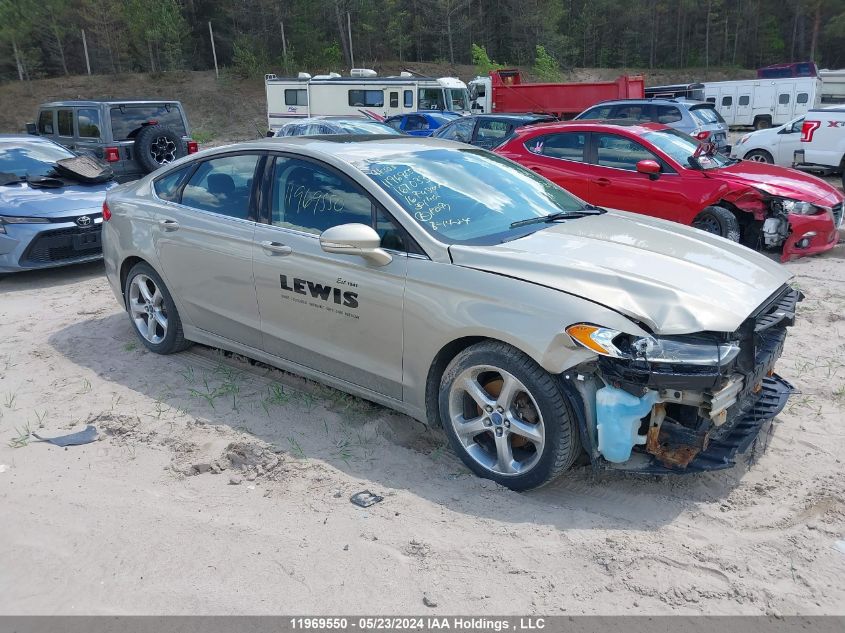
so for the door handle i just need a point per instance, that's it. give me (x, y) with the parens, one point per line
(169, 225)
(275, 248)
(601, 182)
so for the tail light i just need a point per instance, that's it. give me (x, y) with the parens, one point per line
(106, 212)
(703, 135)
(111, 154)
(808, 129)
(193, 147)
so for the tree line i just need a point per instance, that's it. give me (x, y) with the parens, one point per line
(42, 38)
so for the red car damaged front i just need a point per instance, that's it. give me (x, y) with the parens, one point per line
(655, 170)
(797, 210)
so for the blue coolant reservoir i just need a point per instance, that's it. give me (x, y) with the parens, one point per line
(618, 416)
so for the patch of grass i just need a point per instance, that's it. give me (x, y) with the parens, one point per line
(40, 417)
(9, 400)
(130, 347)
(188, 374)
(86, 385)
(296, 449)
(202, 136)
(23, 436)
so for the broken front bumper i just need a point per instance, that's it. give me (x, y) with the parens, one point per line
(732, 439)
(811, 234)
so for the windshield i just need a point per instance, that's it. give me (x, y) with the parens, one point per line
(367, 127)
(705, 115)
(458, 99)
(24, 158)
(468, 195)
(681, 147)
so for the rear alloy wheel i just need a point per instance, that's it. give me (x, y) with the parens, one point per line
(718, 221)
(152, 311)
(506, 417)
(760, 156)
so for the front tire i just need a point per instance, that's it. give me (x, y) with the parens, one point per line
(506, 417)
(760, 156)
(152, 311)
(718, 221)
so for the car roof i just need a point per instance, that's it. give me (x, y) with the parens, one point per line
(93, 102)
(658, 100)
(591, 125)
(349, 148)
(25, 137)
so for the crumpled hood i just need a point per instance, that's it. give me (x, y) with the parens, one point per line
(26, 201)
(779, 181)
(673, 278)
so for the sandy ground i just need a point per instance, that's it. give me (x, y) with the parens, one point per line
(140, 521)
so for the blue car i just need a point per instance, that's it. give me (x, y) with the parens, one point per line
(421, 123)
(46, 219)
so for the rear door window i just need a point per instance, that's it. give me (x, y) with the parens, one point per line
(458, 131)
(45, 122)
(566, 146)
(492, 133)
(127, 120)
(668, 114)
(416, 122)
(88, 122)
(65, 121)
(223, 185)
(601, 112)
(631, 112)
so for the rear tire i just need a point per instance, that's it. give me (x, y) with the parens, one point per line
(152, 311)
(759, 156)
(506, 417)
(718, 221)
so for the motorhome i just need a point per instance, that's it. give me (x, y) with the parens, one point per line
(763, 103)
(363, 92)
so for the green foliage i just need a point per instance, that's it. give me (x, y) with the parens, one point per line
(157, 28)
(483, 63)
(545, 66)
(246, 61)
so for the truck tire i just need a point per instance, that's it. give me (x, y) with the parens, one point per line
(762, 123)
(506, 417)
(718, 221)
(156, 145)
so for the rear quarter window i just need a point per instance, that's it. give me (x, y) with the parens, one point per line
(705, 116)
(127, 120)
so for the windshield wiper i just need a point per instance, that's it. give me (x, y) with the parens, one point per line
(560, 215)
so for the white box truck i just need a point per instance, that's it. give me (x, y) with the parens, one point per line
(763, 103)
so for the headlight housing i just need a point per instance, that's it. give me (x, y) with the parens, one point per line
(7, 219)
(744, 139)
(799, 207)
(614, 344)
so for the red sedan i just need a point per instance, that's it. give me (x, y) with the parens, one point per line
(655, 170)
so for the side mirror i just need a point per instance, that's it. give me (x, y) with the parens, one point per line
(31, 129)
(355, 239)
(651, 168)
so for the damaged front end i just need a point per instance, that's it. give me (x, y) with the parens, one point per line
(682, 403)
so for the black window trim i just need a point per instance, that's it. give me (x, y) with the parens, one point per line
(265, 213)
(254, 194)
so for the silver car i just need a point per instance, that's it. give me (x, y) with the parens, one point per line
(464, 290)
(45, 226)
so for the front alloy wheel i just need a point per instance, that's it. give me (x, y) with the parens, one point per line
(497, 420)
(506, 417)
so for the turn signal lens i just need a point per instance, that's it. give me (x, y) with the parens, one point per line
(595, 338)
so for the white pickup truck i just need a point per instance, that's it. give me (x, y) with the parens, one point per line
(823, 140)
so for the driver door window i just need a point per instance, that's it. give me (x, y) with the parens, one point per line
(621, 153)
(459, 131)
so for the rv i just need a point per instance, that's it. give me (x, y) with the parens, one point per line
(362, 93)
(763, 103)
